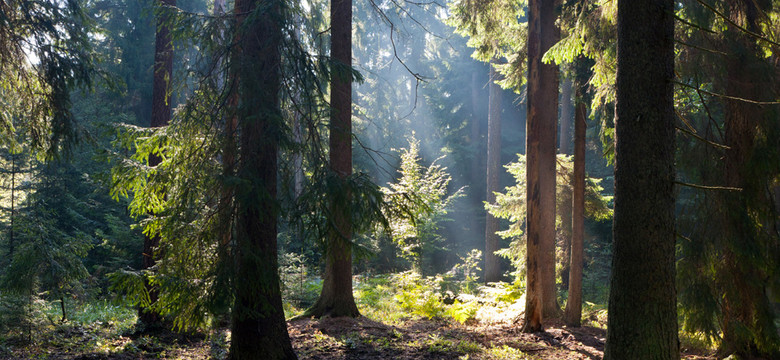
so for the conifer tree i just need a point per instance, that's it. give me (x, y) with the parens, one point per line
(161, 116)
(540, 152)
(336, 298)
(573, 311)
(258, 325)
(642, 300)
(492, 263)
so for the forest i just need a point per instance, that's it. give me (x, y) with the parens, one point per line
(390, 179)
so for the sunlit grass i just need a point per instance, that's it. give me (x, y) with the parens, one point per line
(506, 353)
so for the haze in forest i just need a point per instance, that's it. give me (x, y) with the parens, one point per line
(382, 179)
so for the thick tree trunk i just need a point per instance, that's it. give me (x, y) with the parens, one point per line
(541, 129)
(642, 302)
(548, 148)
(258, 326)
(161, 116)
(573, 313)
(336, 298)
(492, 262)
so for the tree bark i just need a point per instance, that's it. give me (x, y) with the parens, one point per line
(642, 303)
(567, 108)
(573, 313)
(492, 262)
(336, 298)
(548, 149)
(541, 129)
(474, 137)
(258, 326)
(564, 148)
(161, 116)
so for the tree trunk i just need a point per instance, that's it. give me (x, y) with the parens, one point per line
(573, 314)
(12, 215)
(567, 108)
(258, 326)
(336, 298)
(474, 137)
(161, 116)
(547, 100)
(564, 147)
(540, 166)
(642, 302)
(492, 262)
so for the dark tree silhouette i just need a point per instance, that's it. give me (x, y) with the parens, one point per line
(642, 301)
(258, 326)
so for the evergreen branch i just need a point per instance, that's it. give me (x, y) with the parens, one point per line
(709, 113)
(720, 146)
(686, 22)
(727, 96)
(681, 236)
(705, 187)
(743, 29)
(701, 48)
(692, 132)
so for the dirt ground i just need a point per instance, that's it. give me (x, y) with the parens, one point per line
(430, 339)
(341, 338)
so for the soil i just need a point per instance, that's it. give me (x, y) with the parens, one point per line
(362, 338)
(342, 338)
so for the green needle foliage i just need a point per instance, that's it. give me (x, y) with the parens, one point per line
(46, 54)
(423, 192)
(510, 205)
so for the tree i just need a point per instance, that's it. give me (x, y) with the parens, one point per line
(564, 147)
(540, 151)
(573, 312)
(57, 34)
(419, 203)
(258, 325)
(336, 298)
(727, 253)
(642, 303)
(161, 116)
(567, 107)
(511, 205)
(492, 263)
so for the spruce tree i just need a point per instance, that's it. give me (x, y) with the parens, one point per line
(642, 302)
(258, 326)
(336, 298)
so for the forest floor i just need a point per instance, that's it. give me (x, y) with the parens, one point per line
(405, 317)
(339, 338)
